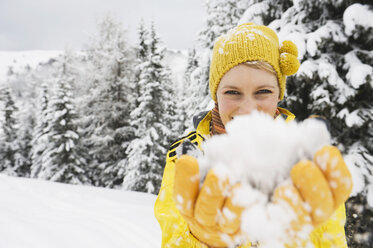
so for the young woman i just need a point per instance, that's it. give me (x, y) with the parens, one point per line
(248, 72)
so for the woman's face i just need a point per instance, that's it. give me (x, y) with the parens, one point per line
(244, 89)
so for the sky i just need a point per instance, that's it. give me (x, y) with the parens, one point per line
(57, 24)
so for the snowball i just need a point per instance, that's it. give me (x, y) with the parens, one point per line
(258, 152)
(267, 224)
(310, 139)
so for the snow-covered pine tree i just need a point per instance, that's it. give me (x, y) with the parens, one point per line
(107, 107)
(142, 49)
(185, 91)
(23, 159)
(222, 15)
(25, 85)
(141, 56)
(39, 136)
(262, 12)
(170, 118)
(152, 119)
(335, 80)
(355, 116)
(9, 147)
(62, 160)
(191, 65)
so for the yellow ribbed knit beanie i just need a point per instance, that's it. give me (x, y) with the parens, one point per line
(251, 42)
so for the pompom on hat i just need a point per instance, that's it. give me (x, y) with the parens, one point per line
(251, 42)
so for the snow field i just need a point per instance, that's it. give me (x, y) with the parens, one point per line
(36, 213)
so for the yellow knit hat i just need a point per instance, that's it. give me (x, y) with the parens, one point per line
(251, 42)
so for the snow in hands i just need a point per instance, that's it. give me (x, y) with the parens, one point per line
(261, 151)
(258, 153)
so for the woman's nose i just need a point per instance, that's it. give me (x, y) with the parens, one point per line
(247, 106)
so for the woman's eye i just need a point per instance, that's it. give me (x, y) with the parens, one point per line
(264, 91)
(232, 92)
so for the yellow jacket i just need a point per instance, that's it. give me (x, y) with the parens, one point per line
(175, 231)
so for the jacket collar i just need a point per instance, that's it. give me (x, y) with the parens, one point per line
(285, 114)
(202, 123)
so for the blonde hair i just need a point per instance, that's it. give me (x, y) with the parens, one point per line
(261, 65)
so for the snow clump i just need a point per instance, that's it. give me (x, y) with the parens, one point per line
(258, 152)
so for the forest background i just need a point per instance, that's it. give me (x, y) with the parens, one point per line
(106, 115)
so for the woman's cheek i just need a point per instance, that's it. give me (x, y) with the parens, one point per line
(226, 110)
(268, 106)
(227, 106)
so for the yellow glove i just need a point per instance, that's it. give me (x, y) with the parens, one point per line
(212, 218)
(323, 184)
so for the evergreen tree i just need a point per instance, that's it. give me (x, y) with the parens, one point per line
(222, 15)
(9, 147)
(107, 128)
(186, 90)
(262, 12)
(25, 85)
(192, 64)
(141, 56)
(23, 159)
(39, 136)
(62, 160)
(359, 208)
(142, 49)
(170, 117)
(197, 92)
(152, 119)
(335, 81)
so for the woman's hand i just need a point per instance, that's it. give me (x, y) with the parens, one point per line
(211, 216)
(319, 187)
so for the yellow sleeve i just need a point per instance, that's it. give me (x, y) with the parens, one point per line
(175, 231)
(332, 233)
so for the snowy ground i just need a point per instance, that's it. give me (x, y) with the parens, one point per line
(41, 214)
